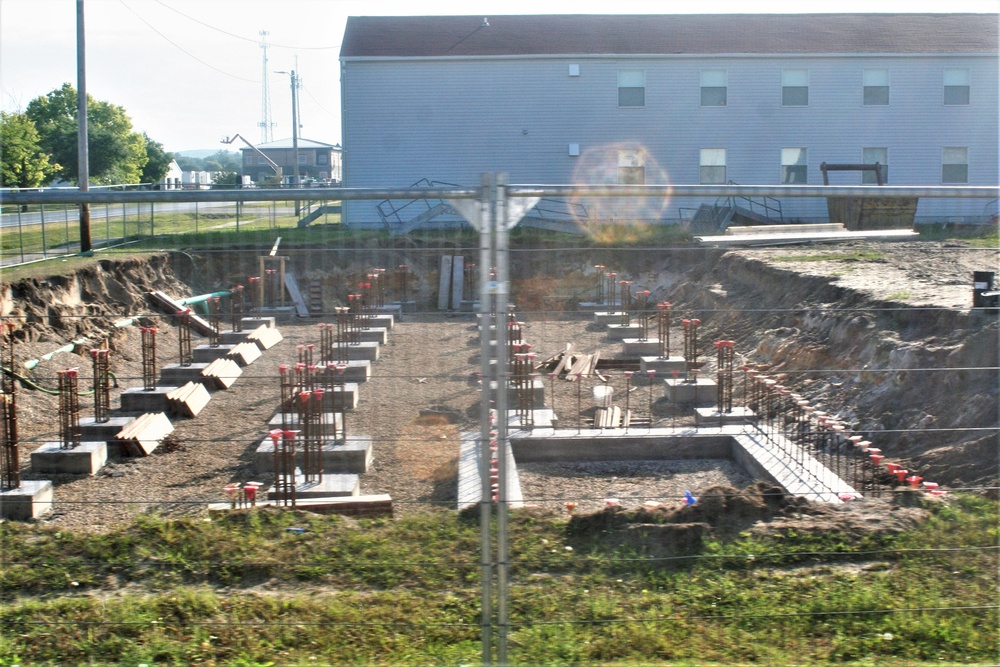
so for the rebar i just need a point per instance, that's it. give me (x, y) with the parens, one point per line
(403, 282)
(184, 337)
(691, 349)
(651, 374)
(628, 393)
(271, 288)
(599, 284)
(326, 339)
(284, 465)
(355, 311)
(148, 358)
(214, 320)
(254, 295)
(625, 286)
(237, 304)
(287, 395)
(610, 281)
(724, 375)
(663, 328)
(10, 466)
(642, 313)
(69, 408)
(102, 384)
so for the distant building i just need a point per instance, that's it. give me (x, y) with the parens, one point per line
(682, 99)
(173, 178)
(317, 161)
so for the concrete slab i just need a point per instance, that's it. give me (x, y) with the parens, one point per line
(700, 393)
(137, 399)
(85, 459)
(252, 322)
(592, 306)
(231, 337)
(176, 375)
(622, 331)
(95, 431)
(712, 416)
(351, 455)
(329, 485)
(543, 418)
(537, 390)
(381, 321)
(31, 500)
(363, 351)
(469, 306)
(292, 420)
(619, 444)
(635, 347)
(357, 371)
(408, 307)
(395, 309)
(663, 366)
(332, 398)
(803, 475)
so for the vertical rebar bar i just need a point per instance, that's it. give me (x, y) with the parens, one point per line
(102, 384)
(69, 408)
(237, 304)
(663, 328)
(724, 375)
(10, 470)
(625, 286)
(184, 337)
(611, 278)
(599, 284)
(148, 358)
(214, 320)
(642, 305)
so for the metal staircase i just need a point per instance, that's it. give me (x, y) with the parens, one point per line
(727, 211)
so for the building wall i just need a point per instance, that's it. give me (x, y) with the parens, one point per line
(450, 120)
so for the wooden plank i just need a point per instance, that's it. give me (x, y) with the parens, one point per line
(292, 285)
(457, 281)
(578, 367)
(143, 435)
(274, 248)
(444, 283)
(171, 306)
(189, 400)
(616, 417)
(245, 353)
(223, 372)
(592, 366)
(627, 418)
(565, 359)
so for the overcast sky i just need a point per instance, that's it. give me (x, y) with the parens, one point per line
(189, 72)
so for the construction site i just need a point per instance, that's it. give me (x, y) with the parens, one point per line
(822, 384)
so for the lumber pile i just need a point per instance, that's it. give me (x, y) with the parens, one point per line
(245, 353)
(222, 373)
(189, 400)
(612, 417)
(571, 365)
(265, 337)
(143, 434)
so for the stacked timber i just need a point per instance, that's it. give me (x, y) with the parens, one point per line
(189, 400)
(572, 365)
(245, 354)
(143, 434)
(612, 417)
(265, 337)
(222, 373)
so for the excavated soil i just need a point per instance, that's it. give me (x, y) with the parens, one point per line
(881, 335)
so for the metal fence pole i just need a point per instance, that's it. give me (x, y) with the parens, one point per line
(41, 210)
(20, 233)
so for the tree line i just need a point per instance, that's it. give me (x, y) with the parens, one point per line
(40, 144)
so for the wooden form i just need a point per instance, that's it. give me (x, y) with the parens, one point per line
(222, 373)
(144, 434)
(265, 337)
(245, 353)
(189, 400)
(572, 364)
(612, 417)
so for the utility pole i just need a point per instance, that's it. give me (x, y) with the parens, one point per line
(83, 158)
(266, 126)
(295, 132)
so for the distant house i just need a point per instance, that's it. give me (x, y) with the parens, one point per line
(672, 99)
(317, 161)
(173, 178)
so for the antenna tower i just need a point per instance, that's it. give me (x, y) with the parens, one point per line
(265, 124)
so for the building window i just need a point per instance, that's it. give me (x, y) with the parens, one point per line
(713, 87)
(793, 166)
(712, 166)
(879, 156)
(322, 158)
(303, 158)
(955, 165)
(876, 87)
(631, 167)
(631, 88)
(956, 87)
(794, 87)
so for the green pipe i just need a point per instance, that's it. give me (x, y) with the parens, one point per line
(31, 384)
(201, 298)
(69, 347)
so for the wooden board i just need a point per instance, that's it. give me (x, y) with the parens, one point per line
(171, 306)
(292, 285)
(245, 353)
(222, 373)
(457, 281)
(144, 433)
(189, 400)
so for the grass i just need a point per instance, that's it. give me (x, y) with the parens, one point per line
(243, 590)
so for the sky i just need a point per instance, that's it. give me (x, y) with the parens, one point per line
(189, 72)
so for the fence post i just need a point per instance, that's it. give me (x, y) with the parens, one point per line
(41, 209)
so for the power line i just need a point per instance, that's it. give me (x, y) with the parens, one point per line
(182, 50)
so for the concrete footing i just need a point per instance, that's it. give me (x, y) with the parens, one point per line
(176, 375)
(328, 485)
(85, 459)
(700, 393)
(537, 393)
(280, 313)
(233, 337)
(378, 335)
(252, 322)
(95, 431)
(636, 347)
(405, 307)
(356, 371)
(604, 318)
(363, 351)
(207, 353)
(137, 399)
(592, 306)
(712, 416)
(540, 418)
(623, 331)
(662, 365)
(292, 420)
(381, 321)
(346, 455)
(31, 500)
(470, 465)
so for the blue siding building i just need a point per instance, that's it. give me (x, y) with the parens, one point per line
(685, 99)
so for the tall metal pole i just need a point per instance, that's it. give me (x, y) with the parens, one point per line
(295, 137)
(83, 161)
(499, 223)
(487, 319)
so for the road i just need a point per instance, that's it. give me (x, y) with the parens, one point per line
(98, 212)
